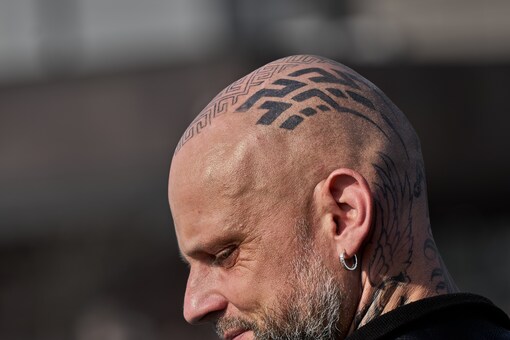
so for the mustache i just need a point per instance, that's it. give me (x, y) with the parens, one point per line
(225, 324)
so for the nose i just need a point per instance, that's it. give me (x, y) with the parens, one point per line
(203, 300)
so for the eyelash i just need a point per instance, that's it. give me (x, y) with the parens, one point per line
(223, 256)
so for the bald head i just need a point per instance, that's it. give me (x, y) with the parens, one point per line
(293, 134)
(293, 121)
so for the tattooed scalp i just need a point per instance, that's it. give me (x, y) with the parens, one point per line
(305, 116)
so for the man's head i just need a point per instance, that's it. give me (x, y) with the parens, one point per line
(286, 169)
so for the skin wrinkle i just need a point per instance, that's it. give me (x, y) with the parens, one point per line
(265, 177)
(292, 324)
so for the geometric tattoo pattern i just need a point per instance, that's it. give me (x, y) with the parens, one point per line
(285, 87)
(231, 94)
(276, 100)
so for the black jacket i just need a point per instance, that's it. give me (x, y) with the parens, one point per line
(452, 316)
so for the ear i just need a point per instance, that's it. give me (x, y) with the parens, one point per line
(346, 208)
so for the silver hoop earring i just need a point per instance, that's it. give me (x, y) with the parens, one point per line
(351, 268)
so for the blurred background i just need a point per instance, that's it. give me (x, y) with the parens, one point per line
(94, 95)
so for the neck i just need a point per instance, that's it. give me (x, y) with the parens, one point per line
(418, 275)
(390, 295)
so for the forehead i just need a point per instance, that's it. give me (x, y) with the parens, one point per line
(221, 190)
(205, 173)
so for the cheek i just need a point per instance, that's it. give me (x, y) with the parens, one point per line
(251, 290)
(241, 290)
(263, 271)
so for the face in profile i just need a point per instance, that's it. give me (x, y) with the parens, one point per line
(308, 309)
(255, 273)
(306, 306)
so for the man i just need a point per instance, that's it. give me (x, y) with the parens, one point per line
(299, 201)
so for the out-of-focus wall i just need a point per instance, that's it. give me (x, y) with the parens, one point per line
(94, 95)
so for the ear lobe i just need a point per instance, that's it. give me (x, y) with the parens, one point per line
(347, 202)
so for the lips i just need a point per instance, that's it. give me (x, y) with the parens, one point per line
(237, 334)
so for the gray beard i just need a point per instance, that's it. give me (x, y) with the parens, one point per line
(310, 311)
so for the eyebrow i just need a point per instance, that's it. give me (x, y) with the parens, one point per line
(199, 249)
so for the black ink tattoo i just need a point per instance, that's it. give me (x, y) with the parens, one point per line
(360, 99)
(314, 93)
(336, 92)
(286, 86)
(402, 301)
(383, 294)
(326, 77)
(289, 86)
(291, 122)
(439, 276)
(308, 112)
(393, 238)
(274, 110)
(420, 180)
(323, 108)
(429, 250)
(240, 88)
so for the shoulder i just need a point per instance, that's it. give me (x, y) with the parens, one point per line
(462, 315)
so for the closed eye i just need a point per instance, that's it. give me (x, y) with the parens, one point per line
(226, 258)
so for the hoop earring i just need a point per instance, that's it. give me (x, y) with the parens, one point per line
(346, 266)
